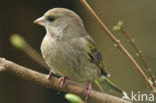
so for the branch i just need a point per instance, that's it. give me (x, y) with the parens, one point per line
(119, 45)
(139, 52)
(41, 79)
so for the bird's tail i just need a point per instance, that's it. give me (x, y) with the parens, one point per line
(104, 84)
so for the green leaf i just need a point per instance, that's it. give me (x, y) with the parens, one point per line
(17, 41)
(73, 98)
(120, 23)
(117, 28)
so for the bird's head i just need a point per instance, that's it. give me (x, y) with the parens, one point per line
(57, 19)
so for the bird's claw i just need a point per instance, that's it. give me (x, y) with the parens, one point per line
(87, 89)
(50, 75)
(63, 80)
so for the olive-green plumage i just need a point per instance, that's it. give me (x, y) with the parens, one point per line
(70, 51)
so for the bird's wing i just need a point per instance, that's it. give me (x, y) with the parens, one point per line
(95, 56)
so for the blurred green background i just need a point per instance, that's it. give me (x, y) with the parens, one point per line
(17, 16)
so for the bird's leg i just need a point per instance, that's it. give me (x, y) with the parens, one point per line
(87, 89)
(50, 74)
(62, 81)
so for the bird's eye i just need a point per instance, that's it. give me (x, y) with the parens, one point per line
(50, 18)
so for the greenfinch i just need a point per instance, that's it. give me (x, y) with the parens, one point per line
(70, 51)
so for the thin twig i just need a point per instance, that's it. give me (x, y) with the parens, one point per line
(34, 55)
(20, 43)
(139, 52)
(41, 79)
(119, 45)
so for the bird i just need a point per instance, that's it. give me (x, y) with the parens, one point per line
(72, 53)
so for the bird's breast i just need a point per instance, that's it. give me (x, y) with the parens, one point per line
(69, 58)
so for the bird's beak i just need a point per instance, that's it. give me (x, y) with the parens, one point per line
(41, 21)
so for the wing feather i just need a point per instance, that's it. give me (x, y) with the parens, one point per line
(95, 56)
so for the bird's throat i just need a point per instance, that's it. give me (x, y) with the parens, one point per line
(56, 30)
